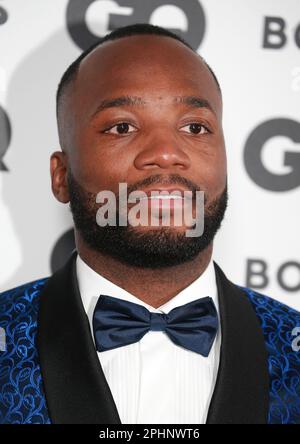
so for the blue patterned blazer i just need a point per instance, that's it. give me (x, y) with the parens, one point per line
(50, 372)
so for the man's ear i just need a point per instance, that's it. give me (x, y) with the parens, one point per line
(58, 170)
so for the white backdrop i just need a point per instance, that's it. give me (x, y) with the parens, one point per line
(254, 48)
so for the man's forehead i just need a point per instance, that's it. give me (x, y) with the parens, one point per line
(141, 54)
(141, 44)
(170, 71)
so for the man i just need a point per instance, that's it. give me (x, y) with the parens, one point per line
(140, 326)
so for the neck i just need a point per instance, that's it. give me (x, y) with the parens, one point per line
(153, 286)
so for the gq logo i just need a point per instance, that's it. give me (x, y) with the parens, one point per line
(5, 136)
(254, 150)
(3, 16)
(188, 15)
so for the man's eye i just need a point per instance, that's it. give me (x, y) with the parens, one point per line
(120, 128)
(195, 128)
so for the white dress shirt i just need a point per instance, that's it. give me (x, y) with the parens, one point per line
(155, 381)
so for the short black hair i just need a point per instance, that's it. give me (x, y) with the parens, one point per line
(126, 31)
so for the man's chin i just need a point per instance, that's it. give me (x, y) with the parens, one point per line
(171, 230)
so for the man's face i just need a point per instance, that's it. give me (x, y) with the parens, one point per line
(164, 132)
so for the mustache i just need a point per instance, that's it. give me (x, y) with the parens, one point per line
(158, 179)
(155, 179)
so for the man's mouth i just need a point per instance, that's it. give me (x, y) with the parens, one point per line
(165, 198)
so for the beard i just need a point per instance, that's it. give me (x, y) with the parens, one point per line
(152, 248)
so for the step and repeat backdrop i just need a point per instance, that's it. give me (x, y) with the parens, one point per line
(254, 48)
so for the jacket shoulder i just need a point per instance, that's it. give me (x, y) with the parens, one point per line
(281, 330)
(24, 289)
(22, 398)
(20, 298)
(276, 310)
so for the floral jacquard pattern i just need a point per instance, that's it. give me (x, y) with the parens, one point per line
(22, 399)
(278, 323)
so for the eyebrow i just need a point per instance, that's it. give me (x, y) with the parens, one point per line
(192, 101)
(195, 102)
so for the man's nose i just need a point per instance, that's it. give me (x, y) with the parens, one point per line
(162, 151)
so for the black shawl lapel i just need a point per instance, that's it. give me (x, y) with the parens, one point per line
(241, 394)
(75, 386)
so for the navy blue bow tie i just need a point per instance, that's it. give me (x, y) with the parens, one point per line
(117, 323)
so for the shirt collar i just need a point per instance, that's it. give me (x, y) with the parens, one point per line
(92, 285)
